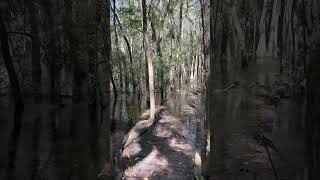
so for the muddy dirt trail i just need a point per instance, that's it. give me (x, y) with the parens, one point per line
(166, 150)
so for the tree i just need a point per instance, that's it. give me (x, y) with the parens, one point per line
(35, 51)
(148, 54)
(312, 86)
(92, 51)
(157, 40)
(73, 34)
(51, 28)
(116, 18)
(313, 114)
(14, 82)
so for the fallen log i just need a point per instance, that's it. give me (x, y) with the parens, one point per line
(140, 127)
(146, 114)
(136, 131)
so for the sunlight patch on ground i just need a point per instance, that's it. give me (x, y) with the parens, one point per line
(188, 111)
(152, 165)
(163, 130)
(179, 145)
(165, 127)
(132, 150)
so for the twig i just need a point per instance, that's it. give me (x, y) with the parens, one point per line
(269, 157)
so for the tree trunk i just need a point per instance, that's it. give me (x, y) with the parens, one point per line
(126, 79)
(92, 51)
(112, 81)
(205, 34)
(72, 35)
(131, 64)
(210, 88)
(14, 82)
(157, 41)
(105, 73)
(148, 52)
(262, 49)
(180, 22)
(280, 34)
(313, 115)
(51, 29)
(240, 35)
(117, 46)
(35, 51)
(146, 73)
(224, 40)
(313, 90)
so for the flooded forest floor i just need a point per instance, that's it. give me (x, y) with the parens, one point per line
(257, 125)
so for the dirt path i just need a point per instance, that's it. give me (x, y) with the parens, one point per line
(166, 151)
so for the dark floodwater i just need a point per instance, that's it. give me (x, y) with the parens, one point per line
(57, 143)
(52, 143)
(240, 116)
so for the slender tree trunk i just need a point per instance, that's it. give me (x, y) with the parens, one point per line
(203, 28)
(293, 31)
(116, 40)
(146, 73)
(261, 49)
(140, 73)
(112, 81)
(240, 35)
(180, 21)
(131, 64)
(148, 52)
(35, 51)
(280, 34)
(224, 37)
(51, 29)
(126, 79)
(14, 82)
(157, 41)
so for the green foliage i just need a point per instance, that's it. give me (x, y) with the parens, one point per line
(197, 173)
(131, 19)
(182, 54)
(162, 67)
(117, 58)
(163, 30)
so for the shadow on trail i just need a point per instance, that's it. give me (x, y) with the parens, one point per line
(161, 153)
